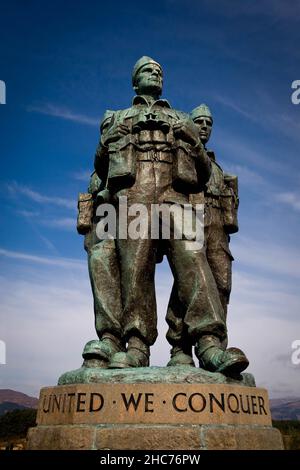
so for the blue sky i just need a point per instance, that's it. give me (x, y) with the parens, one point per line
(64, 64)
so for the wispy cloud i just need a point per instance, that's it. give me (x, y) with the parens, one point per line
(48, 309)
(268, 256)
(61, 262)
(246, 175)
(241, 150)
(229, 103)
(265, 113)
(28, 214)
(15, 188)
(290, 198)
(64, 113)
(82, 175)
(66, 223)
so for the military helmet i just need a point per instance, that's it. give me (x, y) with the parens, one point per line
(106, 117)
(201, 111)
(139, 64)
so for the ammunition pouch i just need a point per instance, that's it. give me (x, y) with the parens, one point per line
(85, 213)
(122, 163)
(103, 196)
(185, 178)
(230, 204)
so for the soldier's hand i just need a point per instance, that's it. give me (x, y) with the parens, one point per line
(122, 129)
(185, 132)
(115, 133)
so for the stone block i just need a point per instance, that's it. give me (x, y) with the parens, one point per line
(241, 438)
(148, 438)
(61, 438)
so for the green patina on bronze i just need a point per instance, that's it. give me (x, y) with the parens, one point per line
(152, 153)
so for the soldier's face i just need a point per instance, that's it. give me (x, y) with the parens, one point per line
(149, 80)
(204, 125)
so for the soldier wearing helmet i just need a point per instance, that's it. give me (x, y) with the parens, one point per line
(152, 154)
(221, 202)
(103, 271)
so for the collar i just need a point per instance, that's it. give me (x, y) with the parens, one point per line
(140, 99)
(211, 154)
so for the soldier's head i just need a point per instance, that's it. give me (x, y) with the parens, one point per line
(147, 77)
(202, 117)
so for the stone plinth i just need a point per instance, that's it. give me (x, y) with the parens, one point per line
(154, 408)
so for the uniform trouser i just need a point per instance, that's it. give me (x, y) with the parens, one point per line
(105, 282)
(219, 260)
(196, 289)
(218, 254)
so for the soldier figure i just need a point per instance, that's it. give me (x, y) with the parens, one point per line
(152, 154)
(104, 274)
(221, 203)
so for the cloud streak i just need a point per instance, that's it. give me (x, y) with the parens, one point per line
(15, 188)
(264, 113)
(66, 223)
(64, 113)
(60, 262)
(290, 198)
(267, 256)
(225, 101)
(82, 175)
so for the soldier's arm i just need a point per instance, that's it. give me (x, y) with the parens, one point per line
(101, 161)
(203, 163)
(115, 131)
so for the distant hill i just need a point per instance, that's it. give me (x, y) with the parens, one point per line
(11, 400)
(285, 409)
(8, 406)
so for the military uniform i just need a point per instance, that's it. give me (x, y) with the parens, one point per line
(104, 275)
(217, 197)
(151, 165)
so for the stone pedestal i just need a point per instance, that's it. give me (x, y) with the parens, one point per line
(153, 408)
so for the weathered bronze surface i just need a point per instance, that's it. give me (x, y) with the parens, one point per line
(153, 154)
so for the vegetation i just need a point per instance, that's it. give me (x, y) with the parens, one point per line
(291, 433)
(17, 422)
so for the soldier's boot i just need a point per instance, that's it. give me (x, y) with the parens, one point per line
(137, 355)
(97, 353)
(214, 358)
(181, 357)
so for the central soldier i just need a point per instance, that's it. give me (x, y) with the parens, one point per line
(152, 154)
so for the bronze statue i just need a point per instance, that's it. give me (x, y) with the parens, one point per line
(221, 203)
(104, 275)
(152, 154)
